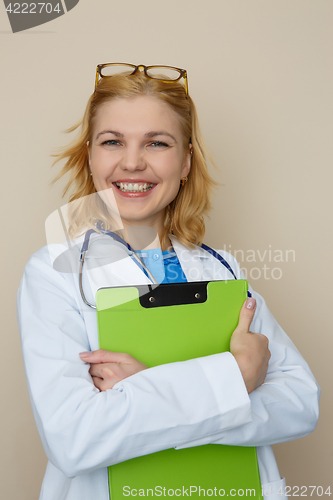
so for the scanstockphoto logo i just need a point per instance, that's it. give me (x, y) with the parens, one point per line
(25, 15)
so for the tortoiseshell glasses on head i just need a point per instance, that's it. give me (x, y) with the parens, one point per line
(165, 74)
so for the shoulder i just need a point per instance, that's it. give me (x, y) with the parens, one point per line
(62, 257)
(40, 261)
(51, 269)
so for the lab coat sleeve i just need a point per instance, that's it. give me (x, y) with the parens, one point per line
(286, 405)
(83, 429)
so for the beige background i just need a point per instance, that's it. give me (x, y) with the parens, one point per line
(261, 74)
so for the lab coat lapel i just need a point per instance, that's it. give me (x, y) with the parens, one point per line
(193, 261)
(200, 265)
(124, 272)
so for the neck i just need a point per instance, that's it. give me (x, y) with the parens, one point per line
(140, 237)
(144, 238)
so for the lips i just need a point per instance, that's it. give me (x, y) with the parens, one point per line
(134, 187)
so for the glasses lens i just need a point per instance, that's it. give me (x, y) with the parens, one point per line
(117, 69)
(163, 73)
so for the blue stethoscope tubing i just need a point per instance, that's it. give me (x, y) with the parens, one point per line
(137, 259)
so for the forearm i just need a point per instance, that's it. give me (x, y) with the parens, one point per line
(83, 429)
(286, 405)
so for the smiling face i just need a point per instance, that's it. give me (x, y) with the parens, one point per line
(137, 149)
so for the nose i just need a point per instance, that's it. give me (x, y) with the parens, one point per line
(132, 159)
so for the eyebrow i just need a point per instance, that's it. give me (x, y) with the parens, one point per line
(113, 132)
(159, 132)
(154, 133)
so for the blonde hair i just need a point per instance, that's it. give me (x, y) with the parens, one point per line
(184, 215)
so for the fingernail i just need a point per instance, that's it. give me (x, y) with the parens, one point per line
(250, 303)
(85, 354)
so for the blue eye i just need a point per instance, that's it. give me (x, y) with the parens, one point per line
(158, 144)
(110, 142)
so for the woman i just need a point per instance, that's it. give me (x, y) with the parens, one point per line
(140, 157)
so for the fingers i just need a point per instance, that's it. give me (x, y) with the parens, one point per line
(97, 382)
(100, 370)
(103, 356)
(246, 315)
(104, 376)
(108, 368)
(250, 349)
(107, 371)
(101, 384)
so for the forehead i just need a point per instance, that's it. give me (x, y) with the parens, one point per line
(136, 114)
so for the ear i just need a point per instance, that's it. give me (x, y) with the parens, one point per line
(89, 159)
(187, 164)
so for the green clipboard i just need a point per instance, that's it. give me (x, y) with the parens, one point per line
(168, 323)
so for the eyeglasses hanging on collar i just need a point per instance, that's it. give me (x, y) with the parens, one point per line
(166, 74)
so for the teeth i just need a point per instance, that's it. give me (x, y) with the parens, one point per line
(133, 188)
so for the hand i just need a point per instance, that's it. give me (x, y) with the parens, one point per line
(107, 367)
(250, 349)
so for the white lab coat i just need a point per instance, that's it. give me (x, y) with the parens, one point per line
(198, 401)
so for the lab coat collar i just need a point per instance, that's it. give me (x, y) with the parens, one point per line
(196, 263)
(123, 272)
(192, 261)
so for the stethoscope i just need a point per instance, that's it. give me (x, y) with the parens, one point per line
(136, 258)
